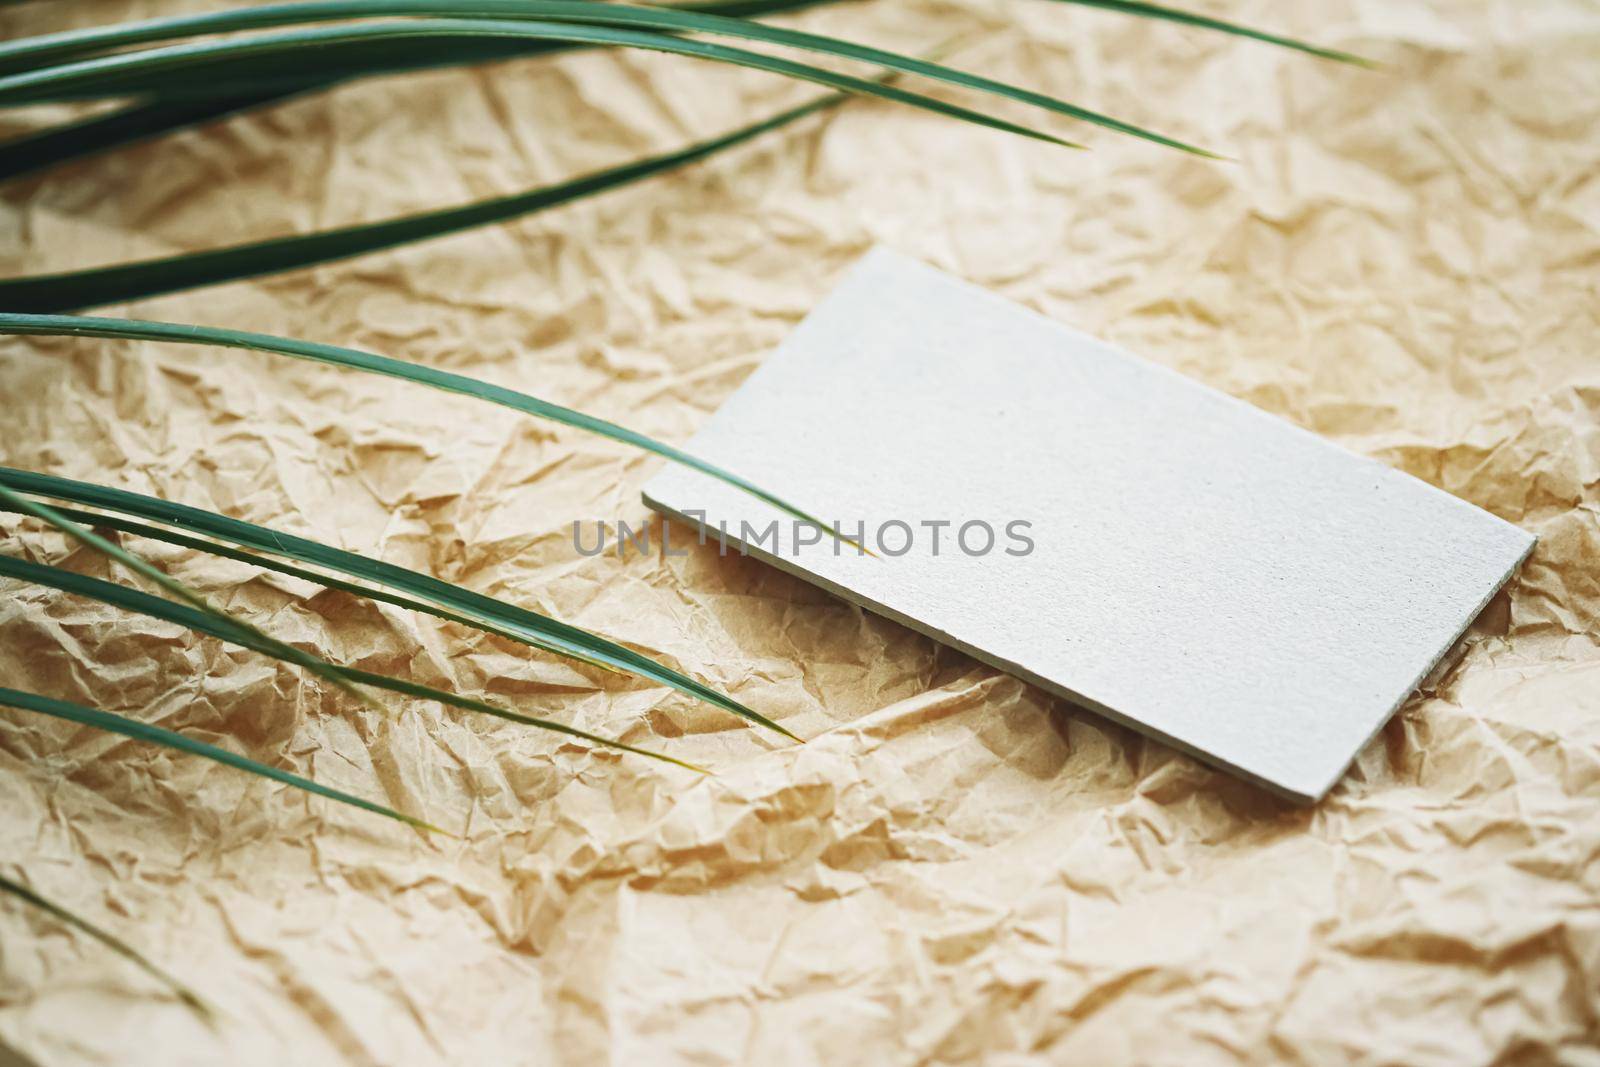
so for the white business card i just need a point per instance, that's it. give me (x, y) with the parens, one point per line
(1097, 525)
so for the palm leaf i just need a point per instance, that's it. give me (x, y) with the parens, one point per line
(155, 735)
(136, 600)
(115, 944)
(353, 359)
(133, 281)
(83, 138)
(129, 561)
(587, 12)
(76, 140)
(29, 53)
(80, 139)
(1187, 18)
(527, 626)
(180, 70)
(156, 533)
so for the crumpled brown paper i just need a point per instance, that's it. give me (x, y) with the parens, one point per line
(955, 869)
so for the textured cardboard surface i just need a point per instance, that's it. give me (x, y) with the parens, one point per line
(956, 869)
(1192, 566)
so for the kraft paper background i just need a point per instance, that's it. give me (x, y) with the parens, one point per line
(955, 869)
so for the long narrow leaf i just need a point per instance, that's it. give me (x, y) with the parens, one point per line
(156, 735)
(595, 13)
(72, 290)
(157, 533)
(128, 561)
(1189, 18)
(136, 600)
(198, 615)
(354, 359)
(114, 943)
(529, 626)
(81, 139)
(174, 71)
(31, 52)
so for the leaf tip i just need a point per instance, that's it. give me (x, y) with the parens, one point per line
(1062, 142)
(196, 1004)
(1344, 56)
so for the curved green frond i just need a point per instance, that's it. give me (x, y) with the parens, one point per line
(1189, 18)
(72, 290)
(528, 626)
(366, 592)
(288, 77)
(136, 600)
(114, 943)
(170, 71)
(354, 359)
(156, 735)
(583, 12)
(31, 52)
(146, 120)
(128, 561)
(82, 138)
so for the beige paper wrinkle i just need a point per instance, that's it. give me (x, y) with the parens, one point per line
(954, 869)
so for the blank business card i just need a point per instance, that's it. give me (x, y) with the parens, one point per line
(1102, 527)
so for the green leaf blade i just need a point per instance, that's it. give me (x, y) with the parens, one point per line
(169, 70)
(1189, 18)
(111, 941)
(31, 53)
(142, 603)
(213, 548)
(156, 735)
(355, 359)
(590, 12)
(72, 290)
(80, 139)
(536, 629)
(130, 562)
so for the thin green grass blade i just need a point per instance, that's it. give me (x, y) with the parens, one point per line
(354, 359)
(171, 71)
(140, 602)
(111, 941)
(696, 22)
(156, 735)
(455, 700)
(83, 139)
(529, 626)
(156, 533)
(78, 140)
(340, 61)
(129, 561)
(595, 13)
(29, 53)
(72, 290)
(1189, 18)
